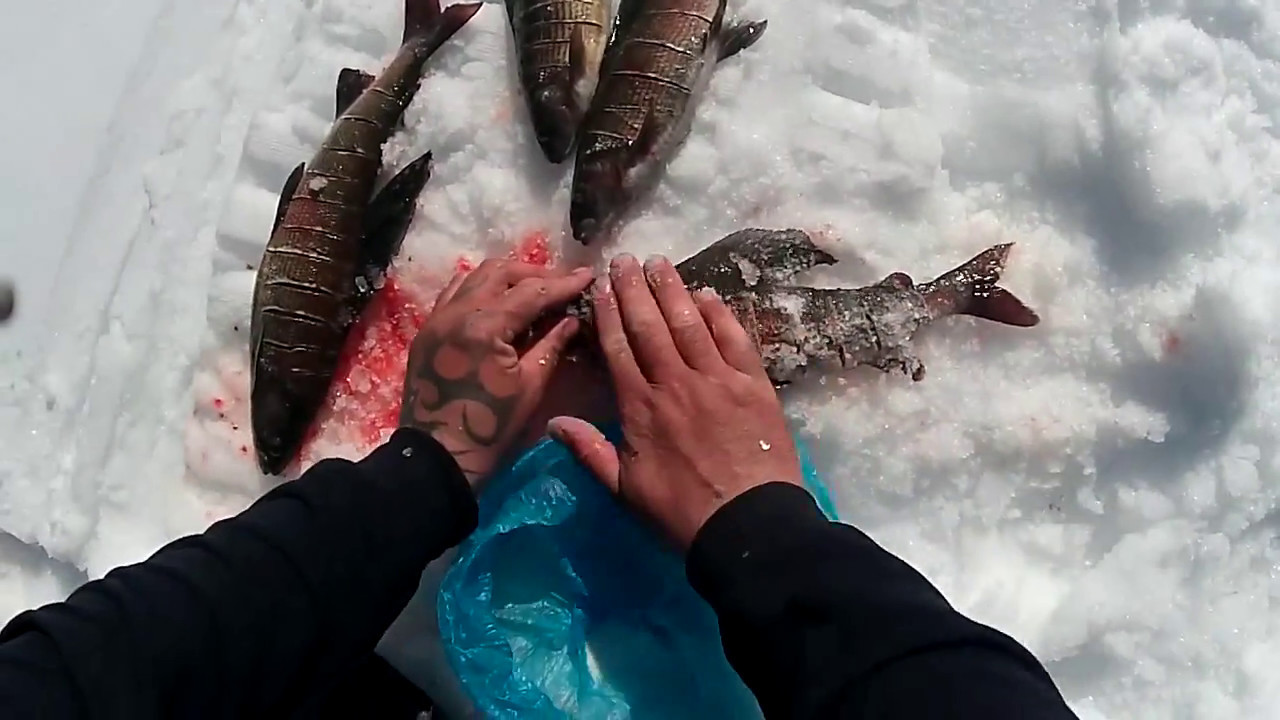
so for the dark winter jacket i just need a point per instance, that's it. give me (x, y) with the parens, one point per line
(275, 612)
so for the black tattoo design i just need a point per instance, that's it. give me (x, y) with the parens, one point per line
(427, 415)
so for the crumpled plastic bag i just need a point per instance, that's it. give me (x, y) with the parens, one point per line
(563, 604)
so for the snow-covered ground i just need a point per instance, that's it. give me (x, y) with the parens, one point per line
(1105, 487)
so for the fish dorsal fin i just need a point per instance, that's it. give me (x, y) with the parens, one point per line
(286, 194)
(737, 37)
(351, 85)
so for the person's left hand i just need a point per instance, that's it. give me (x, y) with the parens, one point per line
(467, 384)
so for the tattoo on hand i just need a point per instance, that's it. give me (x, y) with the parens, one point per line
(457, 391)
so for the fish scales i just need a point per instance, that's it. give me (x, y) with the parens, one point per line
(559, 46)
(546, 32)
(331, 233)
(654, 71)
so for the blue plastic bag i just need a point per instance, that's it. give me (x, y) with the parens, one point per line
(564, 605)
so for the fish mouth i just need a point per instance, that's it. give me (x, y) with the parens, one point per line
(278, 428)
(555, 119)
(272, 462)
(599, 198)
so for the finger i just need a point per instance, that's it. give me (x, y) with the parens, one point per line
(495, 275)
(537, 366)
(731, 338)
(688, 329)
(450, 289)
(529, 299)
(627, 378)
(646, 329)
(590, 447)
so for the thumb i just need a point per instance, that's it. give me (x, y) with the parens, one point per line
(588, 445)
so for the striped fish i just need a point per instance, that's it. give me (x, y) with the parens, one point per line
(332, 239)
(654, 72)
(559, 46)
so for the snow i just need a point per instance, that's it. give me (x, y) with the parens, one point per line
(1103, 487)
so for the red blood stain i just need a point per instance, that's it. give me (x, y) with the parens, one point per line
(364, 400)
(1172, 343)
(218, 403)
(534, 249)
(244, 449)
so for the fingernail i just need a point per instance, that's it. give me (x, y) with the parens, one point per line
(706, 293)
(555, 428)
(622, 261)
(601, 288)
(582, 271)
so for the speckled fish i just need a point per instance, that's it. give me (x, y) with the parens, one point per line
(655, 71)
(797, 328)
(559, 46)
(332, 239)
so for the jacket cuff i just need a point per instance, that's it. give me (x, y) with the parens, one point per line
(737, 550)
(416, 456)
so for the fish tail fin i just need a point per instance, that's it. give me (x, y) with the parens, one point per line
(971, 289)
(424, 18)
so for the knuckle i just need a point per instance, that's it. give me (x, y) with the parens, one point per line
(616, 345)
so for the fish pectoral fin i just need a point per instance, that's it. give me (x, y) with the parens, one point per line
(390, 213)
(286, 194)
(738, 37)
(351, 85)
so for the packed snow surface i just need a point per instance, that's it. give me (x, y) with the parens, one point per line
(1105, 487)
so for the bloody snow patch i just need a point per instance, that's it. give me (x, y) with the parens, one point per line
(363, 407)
(534, 249)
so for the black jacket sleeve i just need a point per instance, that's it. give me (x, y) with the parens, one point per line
(256, 614)
(821, 622)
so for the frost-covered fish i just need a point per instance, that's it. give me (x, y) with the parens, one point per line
(655, 71)
(332, 239)
(796, 327)
(559, 45)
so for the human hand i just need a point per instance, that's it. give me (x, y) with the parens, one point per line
(701, 422)
(467, 384)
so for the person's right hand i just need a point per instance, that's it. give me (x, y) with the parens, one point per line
(701, 422)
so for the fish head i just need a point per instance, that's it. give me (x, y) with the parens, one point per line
(600, 197)
(555, 116)
(278, 425)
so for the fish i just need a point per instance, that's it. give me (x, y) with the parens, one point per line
(332, 238)
(655, 71)
(559, 47)
(798, 329)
